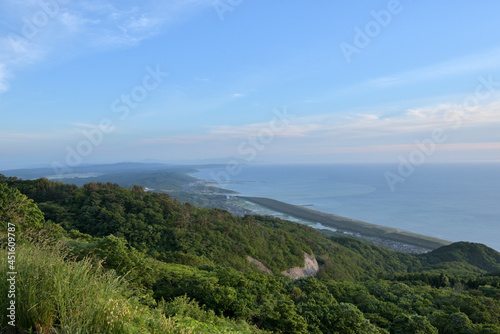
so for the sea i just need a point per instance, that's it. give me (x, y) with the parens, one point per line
(456, 202)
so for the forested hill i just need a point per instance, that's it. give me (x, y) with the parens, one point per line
(479, 255)
(167, 250)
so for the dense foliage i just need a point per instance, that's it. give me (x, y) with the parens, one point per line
(186, 268)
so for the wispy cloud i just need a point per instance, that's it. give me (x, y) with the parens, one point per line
(362, 129)
(469, 64)
(82, 27)
(245, 131)
(446, 147)
(412, 120)
(190, 139)
(86, 125)
(3, 78)
(10, 140)
(27, 135)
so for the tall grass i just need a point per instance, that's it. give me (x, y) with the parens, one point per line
(56, 295)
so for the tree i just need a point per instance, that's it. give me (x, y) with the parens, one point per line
(415, 324)
(17, 209)
(459, 323)
(490, 329)
(285, 319)
(347, 318)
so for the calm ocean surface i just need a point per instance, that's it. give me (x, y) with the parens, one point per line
(450, 201)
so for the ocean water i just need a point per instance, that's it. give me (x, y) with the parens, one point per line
(456, 202)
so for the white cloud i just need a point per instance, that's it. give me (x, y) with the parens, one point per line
(87, 125)
(475, 63)
(367, 133)
(364, 136)
(445, 147)
(9, 138)
(245, 131)
(143, 23)
(416, 120)
(74, 23)
(190, 139)
(362, 129)
(375, 131)
(3, 79)
(82, 27)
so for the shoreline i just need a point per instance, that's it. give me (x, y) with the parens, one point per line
(349, 225)
(390, 237)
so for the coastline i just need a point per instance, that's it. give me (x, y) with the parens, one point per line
(349, 225)
(334, 225)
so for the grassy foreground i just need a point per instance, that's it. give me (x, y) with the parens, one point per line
(56, 295)
(350, 225)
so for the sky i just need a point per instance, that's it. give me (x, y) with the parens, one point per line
(85, 82)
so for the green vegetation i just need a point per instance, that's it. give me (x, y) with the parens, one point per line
(106, 259)
(74, 297)
(17, 209)
(483, 257)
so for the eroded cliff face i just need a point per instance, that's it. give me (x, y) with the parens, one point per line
(310, 268)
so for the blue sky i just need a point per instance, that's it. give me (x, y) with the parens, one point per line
(262, 81)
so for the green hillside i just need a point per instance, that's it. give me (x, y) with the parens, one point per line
(172, 267)
(478, 255)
